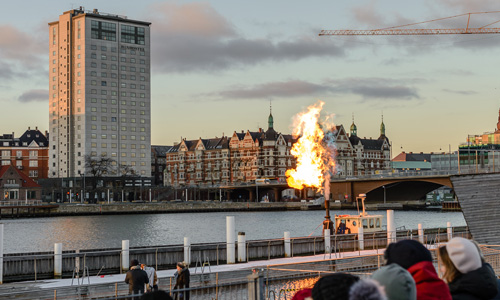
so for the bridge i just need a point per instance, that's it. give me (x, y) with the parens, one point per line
(378, 188)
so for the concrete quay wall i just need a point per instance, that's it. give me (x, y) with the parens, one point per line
(33, 266)
(169, 207)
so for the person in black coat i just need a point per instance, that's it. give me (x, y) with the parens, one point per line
(181, 281)
(136, 278)
(469, 277)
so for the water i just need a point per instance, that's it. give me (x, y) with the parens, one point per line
(97, 232)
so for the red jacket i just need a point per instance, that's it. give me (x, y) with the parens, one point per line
(429, 286)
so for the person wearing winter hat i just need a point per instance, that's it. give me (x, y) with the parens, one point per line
(468, 276)
(334, 287)
(417, 260)
(367, 289)
(303, 294)
(397, 282)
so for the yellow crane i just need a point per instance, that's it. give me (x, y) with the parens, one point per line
(399, 30)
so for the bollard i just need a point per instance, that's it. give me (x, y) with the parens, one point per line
(420, 233)
(242, 257)
(449, 230)
(328, 244)
(187, 250)
(1, 254)
(286, 240)
(255, 286)
(57, 260)
(361, 237)
(230, 239)
(125, 256)
(391, 227)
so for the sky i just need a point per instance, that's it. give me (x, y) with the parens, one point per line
(217, 66)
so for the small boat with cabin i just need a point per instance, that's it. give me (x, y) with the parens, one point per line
(346, 224)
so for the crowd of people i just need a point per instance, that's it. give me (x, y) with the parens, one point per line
(409, 274)
(143, 282)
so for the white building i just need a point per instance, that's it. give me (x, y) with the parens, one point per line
(100, 93)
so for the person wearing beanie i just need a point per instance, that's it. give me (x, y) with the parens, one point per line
(334, 287)
(417, 260)
(468, 276)
(367, 289)
(397, 282)
(303, 294)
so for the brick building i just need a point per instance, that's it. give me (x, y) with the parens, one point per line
(243, 157)
(15, 185)
(361, 156)
(28, 153)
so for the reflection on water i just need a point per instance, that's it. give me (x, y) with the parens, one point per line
(95, 232)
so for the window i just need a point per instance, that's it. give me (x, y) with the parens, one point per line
(103, 31)
(132, 35)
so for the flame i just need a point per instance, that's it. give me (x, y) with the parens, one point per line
(313, 151)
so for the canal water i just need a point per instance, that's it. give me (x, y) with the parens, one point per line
(97, 232)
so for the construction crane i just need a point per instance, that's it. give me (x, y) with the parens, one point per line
(398, 30)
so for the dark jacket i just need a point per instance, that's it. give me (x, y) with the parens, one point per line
(429, 286)
(136, 279)
(182, 282)
(476, 285)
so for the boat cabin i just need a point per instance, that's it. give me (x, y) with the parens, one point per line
(346, 224)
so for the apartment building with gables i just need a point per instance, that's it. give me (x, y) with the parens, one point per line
(28, 153)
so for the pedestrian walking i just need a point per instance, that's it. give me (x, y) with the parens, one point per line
(181, 281)
(153, 279)
(136, 278)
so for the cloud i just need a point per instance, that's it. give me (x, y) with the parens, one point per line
(465, 93)
(280, 89)
(378, 88)
(34, 96)
(367, 88)
(20, 47)
(194, 37)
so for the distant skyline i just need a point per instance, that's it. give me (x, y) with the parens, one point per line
(217, 64)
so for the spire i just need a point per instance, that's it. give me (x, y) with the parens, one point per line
(270, 120)
(354, 129)
(382, 126)
(498, 124)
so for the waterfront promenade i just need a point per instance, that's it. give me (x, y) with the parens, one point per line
(279, 276)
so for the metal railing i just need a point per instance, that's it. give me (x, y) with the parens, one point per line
(21, 202)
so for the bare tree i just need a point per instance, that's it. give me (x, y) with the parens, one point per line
(98, 167)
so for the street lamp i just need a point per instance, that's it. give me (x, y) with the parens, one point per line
(384, 192)
(83, 193)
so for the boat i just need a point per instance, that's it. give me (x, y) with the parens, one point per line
(347, 224)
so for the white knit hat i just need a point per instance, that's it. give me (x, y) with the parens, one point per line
(464, 255)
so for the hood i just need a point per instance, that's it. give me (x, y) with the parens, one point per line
(429, 286)
(481, 283)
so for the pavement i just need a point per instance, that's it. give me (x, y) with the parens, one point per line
(261, 264)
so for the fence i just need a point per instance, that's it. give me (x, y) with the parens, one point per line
(36, 266)
(272, 282)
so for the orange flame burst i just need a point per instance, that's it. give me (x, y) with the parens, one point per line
(315, 157)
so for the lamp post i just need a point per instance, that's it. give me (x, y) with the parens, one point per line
(384, 192)
(83, 193)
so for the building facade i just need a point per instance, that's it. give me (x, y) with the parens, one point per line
(361, 156)
(15, 185)
(100, 99)
(158, 163)
(241, 158)
(28, 153)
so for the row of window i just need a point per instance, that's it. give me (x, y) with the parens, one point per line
(114, 102)
(107, 31)
(113, 75)
(114, 136)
